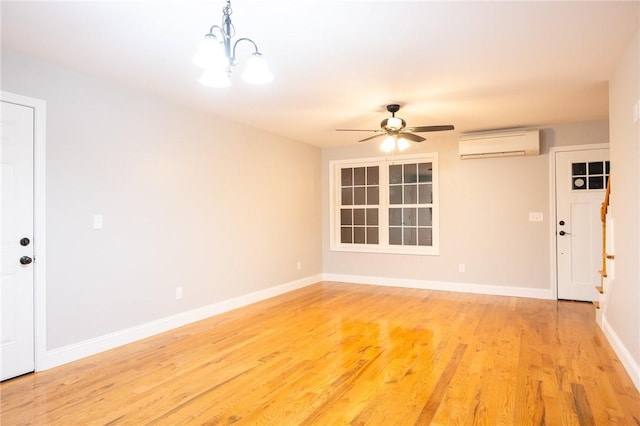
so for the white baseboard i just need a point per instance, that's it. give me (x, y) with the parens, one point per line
(496, 290)
(631, 365)
(96, 345)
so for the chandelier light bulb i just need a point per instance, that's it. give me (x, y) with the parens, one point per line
(257, 70)
(210, 54)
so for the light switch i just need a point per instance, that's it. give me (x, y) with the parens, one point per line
(98, 221)
(535, 216)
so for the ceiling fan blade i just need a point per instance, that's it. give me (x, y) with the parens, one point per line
(430, 128)
(372, 137)
(357, 130)
(411, 137)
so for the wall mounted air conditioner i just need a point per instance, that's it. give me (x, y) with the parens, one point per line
(499, 144)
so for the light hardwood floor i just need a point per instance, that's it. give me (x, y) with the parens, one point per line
(337, 354)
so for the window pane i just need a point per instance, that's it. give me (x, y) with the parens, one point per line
(346, 179)
(425, 194)
(347, 196)
(578, 169)
(395, 236)
(358, 196)
(409, 217)
(358, 235)
(359, 176)
(410, 194)
(358, 216)
(425, 172)
(345, 217)
(424, 237)
(596, 182)
(372, 235)
(410, 236)
(372, 175)
(596, 168)
(372, 216)
(579, 183)
(410, 173)
(395, 217)
(607, 167)
(395, 194)
(424, 217)
(345, 235)
(373, 195)
(395, 174)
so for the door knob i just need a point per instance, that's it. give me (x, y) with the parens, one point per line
(564, 233)
(25, 260)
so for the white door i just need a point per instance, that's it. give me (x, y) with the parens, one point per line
(581, 179)
(16, 236)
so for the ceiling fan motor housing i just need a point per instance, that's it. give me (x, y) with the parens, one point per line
(393, 123)
(393, 108)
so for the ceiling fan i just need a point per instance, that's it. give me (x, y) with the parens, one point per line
(397, 132)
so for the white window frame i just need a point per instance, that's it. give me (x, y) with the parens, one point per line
(383, 213)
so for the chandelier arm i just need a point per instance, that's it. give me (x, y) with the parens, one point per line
(216, 27)
(255, 46)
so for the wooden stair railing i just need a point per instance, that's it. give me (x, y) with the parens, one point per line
(604, 209)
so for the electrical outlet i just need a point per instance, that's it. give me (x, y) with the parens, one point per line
(461, 267)
(178, 293)
(299, 266)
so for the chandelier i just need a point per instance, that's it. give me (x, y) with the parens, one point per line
(217, 55)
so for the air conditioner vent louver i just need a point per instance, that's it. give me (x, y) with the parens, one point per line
(499, 144)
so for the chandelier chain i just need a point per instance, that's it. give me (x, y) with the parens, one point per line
(227, 26)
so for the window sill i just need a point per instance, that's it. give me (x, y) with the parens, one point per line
(354, 248)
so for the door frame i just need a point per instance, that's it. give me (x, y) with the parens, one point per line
(553, 205)
(39, 222)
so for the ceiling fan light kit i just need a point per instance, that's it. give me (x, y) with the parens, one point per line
(217, 55)
(402, 144)
(390, 143)
(397, 132)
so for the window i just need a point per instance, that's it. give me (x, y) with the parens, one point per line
(359, 200)
(589, 176)
(385, 205)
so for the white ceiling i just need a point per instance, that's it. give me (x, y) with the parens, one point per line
(476, 65)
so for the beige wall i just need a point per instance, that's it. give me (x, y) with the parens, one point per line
(188, 200)
(484, 217)
(622, 313)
